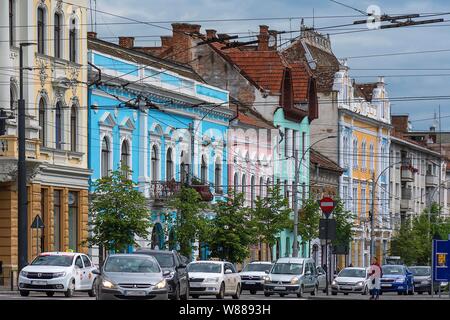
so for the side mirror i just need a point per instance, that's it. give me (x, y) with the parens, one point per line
(166, 273)
(228, 271)
(182, 265)
(266, 272)
(97, 272)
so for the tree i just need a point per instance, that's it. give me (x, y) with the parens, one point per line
(309, 219)
(232, 230)
(119, 212)
(344, 224)
(190, 223)
(272, 215)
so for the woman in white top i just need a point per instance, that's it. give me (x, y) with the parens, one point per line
(374, 273)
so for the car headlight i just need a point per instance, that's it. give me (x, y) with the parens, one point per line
(108, 284)
(334, 282)
(23, 273)
(161, 285)
(266, 279)
(59, 274)
(295, 280)
(360, 284)
(212, 279)
(400, 280)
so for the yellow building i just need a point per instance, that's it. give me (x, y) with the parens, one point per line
(364, 133)
(55, 92)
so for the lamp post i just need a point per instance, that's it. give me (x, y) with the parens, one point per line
(296, 182)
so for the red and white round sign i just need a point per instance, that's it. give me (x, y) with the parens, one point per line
(327, 205)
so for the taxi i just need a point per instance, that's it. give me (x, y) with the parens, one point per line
(64, 272)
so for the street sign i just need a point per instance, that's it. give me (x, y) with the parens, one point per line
(327, 229)
(37, 223)
(327, 205)
(441, 260)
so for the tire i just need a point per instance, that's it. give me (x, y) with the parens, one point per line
(266, 294)
(70, 290)
(195, 296)
(93, 292)
(252, 291)
(237, 295)
(365, 291)
(24, 293)
(221, 294)
(315, 292)
(333, 293)
(186, 295)
(50, 293)
(300, 294)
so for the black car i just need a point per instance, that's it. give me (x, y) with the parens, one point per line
(177, 280)
(422, 279)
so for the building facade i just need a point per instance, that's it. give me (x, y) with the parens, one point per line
(56, 134)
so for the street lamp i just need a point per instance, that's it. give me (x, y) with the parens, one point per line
(295, 205)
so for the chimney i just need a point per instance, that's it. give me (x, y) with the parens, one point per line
(126, 42)
(400, 123)
(273, 39)
(211, 34)
(182, 40)
(263, 38)
(92, 35)
(166, 41)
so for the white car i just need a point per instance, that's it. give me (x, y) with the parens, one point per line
(217, 278)
(52, 272)
(351, 280)
(253, 274)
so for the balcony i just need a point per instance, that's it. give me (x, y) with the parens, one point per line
(431, 181)
(162, 191)
(9, 148)
(407, 174)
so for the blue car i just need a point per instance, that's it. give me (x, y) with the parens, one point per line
(397, 278)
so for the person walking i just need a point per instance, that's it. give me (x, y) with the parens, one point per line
(374, 274)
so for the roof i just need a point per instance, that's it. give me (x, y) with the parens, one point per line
(324, 162)
(251, 118)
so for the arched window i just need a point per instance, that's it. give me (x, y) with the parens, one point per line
(371, 158)
(11, 22)
(218, 176)
(58, 126)
(243, 185)
(57, 35)
(125, 154)
(155, 163)
(169, 165)
(236, 182)
(41, 30)
(267, 187)
(252, 191)
(42, 122)
(73, 41)
(363, 155)
(184, 169)
(355, 153)
(73, 129)
(106, 152)
(204, 171)
(261, 189)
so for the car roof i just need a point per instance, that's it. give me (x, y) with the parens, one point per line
(57, 253)
(419, 267)
(294, 260)
(130, 255)
(209, 261)
(261, 262)
(146, 251)
(355, 268)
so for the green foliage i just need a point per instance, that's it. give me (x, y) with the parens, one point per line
(232, 230)
(344, 224)
(190, 223)
(309, 218)
(271, 215)
(119, 212)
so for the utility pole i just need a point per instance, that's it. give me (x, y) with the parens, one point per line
(372, 218)
(22, 219)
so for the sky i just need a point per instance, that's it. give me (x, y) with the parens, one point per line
(285, 15)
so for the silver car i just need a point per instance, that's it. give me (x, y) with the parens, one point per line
(292, 276)
(131, 276)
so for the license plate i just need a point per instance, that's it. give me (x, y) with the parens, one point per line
(195, 284)
(346, 288)
(280, 288)
(386, 285)
(135, 293)
(39, 283)
(250, 282)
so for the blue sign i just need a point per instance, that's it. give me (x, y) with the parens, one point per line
(441, 260)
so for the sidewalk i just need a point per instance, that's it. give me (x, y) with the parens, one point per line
(7, 291)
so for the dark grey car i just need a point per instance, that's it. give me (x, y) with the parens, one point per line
(422, 279)
(130, 277)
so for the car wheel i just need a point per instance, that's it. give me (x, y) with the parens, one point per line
(93, 292)
(50, 293)
(195, 296)
(333, 293)
(24, 293)
(221, 294)
(237, 295)
(266, 294)
(365, 291)
(300, 293)
(252, 291)
(315, 292)
(186, 295)
(70, 290)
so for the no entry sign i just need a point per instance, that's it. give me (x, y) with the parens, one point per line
(327, 205)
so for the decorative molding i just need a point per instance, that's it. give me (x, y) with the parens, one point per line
(58, 6)
(42, 67)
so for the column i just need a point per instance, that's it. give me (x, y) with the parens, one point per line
(142, 153)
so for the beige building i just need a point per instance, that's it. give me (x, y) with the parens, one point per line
(55, 93)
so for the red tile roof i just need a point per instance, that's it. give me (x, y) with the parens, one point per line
(319, 159)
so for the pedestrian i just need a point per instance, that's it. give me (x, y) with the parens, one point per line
(350, 265)
(374, 274)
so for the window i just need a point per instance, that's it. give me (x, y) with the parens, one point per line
(42, 122)
(286, 190)
(261, 183)
(73, 221)
(303, 142)
(73, 129)
(78, 262)
(286, 142)
(372, 163)
(252, 192)
(73, 42)
(355, 200)
(58, 126)
(243, 185)
(355, 153)
(294, 142)
(154, 163)
(204, 171)
(86, 261)
(44, 216)
(169, 165)
(11, 22)
(125, 154)
(346, 152)
(236, 182)
(345, 196)
(218, 176)
(106, 150)
(57, 220)
(363, 155)
(57, 35)
(41, 30)
(184, 169)
(363, 202)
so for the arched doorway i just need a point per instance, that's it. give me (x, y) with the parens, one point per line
(157, 237)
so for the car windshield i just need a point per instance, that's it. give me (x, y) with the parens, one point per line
(53, 260)
(131, 265)
(205, 267)
(420, 271)
(353, 273)
(165, 260)
(287, 268)
(392, 270)
(258, 267)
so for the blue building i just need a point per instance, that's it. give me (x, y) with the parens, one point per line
(160, 119)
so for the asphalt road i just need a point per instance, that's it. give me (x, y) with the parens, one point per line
(245, 296)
